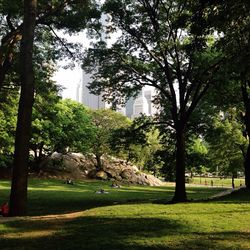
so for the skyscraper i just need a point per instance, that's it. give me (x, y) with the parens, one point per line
(142, 104)
(88, 99)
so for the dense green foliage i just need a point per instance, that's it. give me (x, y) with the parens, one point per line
(105, 122)
(137, 143)
(227, 144)
(65, 126)
(8, 112)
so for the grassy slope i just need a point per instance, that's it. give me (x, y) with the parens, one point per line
(54, 197)
(221, 224)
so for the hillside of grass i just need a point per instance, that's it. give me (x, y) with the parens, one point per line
(55, 197)
(131, 217)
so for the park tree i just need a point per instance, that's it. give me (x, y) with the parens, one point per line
(237, 46)
(165, 45)
(18, 196)
(231, 18)
(142, 154)
(72, 128)
(197, 155)
(227, 145)
(43, 117)
(51, 15)
(106, 121)
(151, 161)
(129, 142)
(137, 143)
(45, 88)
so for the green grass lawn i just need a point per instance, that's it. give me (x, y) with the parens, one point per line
(54, 197)
(126, 218)
(220, 182)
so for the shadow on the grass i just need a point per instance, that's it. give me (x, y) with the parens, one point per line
(115, 233)
(241, 196)
(60, 202)
(80, 196)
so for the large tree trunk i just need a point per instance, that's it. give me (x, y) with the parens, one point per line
(247, 165)
(246, 100)
(247, 158)
(18, 196)
(180, 189)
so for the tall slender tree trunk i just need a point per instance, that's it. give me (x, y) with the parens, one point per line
(246, 100)
(180, 189)
(247, 164)
(18, 196)
(247, 158)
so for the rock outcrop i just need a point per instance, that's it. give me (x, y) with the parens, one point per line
(78, 166)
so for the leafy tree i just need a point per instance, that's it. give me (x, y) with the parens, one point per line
(127, 142)
(60, 126)
(43, 125)
(137, 145)
(105, 121)
(18, 28)
(73, 130)
(197, 155)
(144, 153)
(227, 145)
(167, 154)
(147, 157)
(232, 18)
(164, 44)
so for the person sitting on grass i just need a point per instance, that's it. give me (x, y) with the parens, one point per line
(115, 185)
(69, 181)
(101, 191)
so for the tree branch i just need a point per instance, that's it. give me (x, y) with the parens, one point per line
(194, 84)
(61, 41)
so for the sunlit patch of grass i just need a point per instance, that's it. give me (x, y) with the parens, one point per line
(28, 235)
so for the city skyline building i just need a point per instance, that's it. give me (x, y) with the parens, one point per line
(134, 107)
(88, 99)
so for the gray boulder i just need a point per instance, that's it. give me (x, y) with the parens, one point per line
(78, 166)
